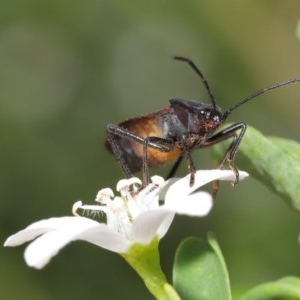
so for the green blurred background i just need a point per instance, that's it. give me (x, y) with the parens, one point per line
(67, 68)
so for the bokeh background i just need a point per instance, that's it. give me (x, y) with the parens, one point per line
(67, 68)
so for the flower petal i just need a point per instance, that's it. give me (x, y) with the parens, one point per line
(181, 188)
(105, 237)
(197, 204)
(40, 251)
(35, 229)
(58, 232)
(151, 223)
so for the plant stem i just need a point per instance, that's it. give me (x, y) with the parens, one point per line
(145, 260)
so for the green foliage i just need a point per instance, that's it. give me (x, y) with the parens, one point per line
(273, 161)
(199, 270)
(200, 273)
(287, 288)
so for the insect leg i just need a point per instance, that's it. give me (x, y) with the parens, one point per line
(187, 152)
(114, 130)
(160, 144)
(164, 146)
(229, 132)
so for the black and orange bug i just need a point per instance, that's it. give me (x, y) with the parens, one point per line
(155, 139)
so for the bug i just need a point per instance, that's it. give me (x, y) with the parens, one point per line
(175, 131)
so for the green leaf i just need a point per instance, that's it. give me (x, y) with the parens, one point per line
(200, 271)
(291, 147)
(287, 288)
(272, 160)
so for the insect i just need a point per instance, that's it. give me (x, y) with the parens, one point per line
(174, 132)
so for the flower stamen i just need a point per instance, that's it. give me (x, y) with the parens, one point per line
(104, 196)
(75, 207)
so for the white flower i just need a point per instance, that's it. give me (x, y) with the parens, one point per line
(136, 216)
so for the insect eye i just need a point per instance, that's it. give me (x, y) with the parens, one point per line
(216, 118)
(206, 114)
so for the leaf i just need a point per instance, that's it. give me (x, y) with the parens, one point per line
(200, 271)
(291, 147)
(287, 288)
(272, 160)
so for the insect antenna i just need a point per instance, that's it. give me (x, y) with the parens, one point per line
(204, 81)
(262, 91)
